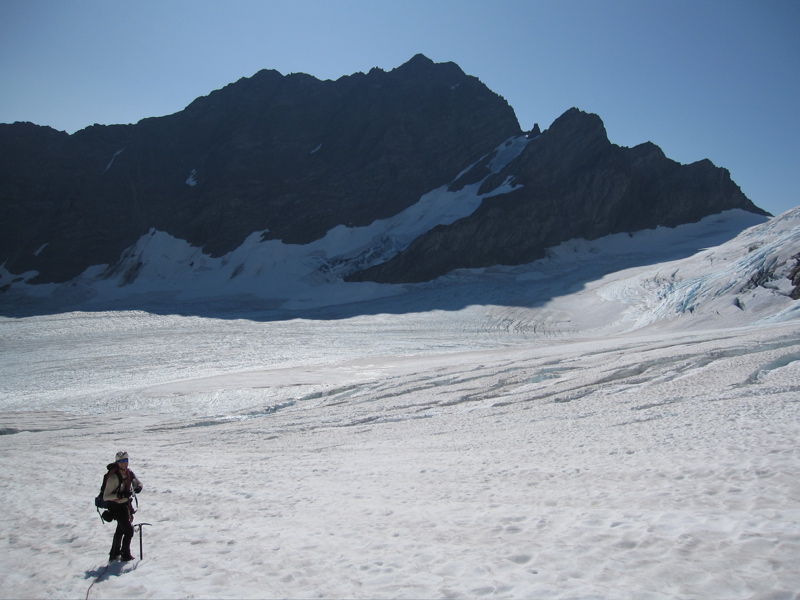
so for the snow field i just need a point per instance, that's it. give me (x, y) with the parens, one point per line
(657, 466)
(599, 424)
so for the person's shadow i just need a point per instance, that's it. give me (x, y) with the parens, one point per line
(113, 569)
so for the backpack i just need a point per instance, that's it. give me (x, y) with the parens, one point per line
(105, 504)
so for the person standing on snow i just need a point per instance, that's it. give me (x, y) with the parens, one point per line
(120, 484)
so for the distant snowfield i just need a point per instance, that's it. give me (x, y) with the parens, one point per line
(591, 425)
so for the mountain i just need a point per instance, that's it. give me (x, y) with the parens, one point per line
(569, 182)
(388, 177)
(289, 154)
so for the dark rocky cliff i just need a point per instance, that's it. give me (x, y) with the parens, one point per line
(297, 156)
(572, 183)
(291, 154)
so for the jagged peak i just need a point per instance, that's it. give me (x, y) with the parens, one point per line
(575, 118)
(418, 61)
(421, 65)
(575, 131)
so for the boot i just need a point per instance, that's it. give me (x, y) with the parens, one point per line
(115, 546)
(126, 549)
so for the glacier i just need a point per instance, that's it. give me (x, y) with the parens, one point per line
(617, 420)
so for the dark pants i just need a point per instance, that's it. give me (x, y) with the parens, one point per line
(121, 544)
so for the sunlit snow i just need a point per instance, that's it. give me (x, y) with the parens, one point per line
(618, 420)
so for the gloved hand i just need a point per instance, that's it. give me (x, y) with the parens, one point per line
(125, 494)
(137, 489)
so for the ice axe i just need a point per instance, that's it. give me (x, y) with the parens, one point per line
(139, 527)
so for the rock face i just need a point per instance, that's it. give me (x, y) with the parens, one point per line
(297, 156)
(291, 154)
(794, 276)
(572, 183)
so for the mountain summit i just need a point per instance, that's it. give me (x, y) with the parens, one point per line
(292, 158)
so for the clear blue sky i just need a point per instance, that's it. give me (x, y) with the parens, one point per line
(717, 79)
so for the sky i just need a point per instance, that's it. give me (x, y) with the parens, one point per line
(716, 79)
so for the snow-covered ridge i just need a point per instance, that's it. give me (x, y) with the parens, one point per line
(161, 263)
(728, 269)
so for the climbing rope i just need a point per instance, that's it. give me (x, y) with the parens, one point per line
(141, 556)
(96, 580)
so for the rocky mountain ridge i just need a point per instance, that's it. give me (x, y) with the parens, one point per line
(294, 157)
(570, 182)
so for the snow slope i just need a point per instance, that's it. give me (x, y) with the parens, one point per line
(598, 424)
(165, 270)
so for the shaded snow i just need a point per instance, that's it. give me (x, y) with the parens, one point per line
(293, 275)
(113, 158)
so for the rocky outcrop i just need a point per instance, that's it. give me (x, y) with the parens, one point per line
(571, 183)
(289, 154)
(794, 277)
